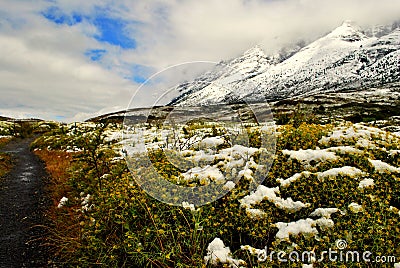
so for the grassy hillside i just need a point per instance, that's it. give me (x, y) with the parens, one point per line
(329, 185)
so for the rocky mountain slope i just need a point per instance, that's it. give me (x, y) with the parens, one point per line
(346, 58)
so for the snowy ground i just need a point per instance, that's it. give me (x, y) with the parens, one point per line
(225, 155)
(343, 140)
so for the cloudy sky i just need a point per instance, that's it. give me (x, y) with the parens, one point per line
(70, 59)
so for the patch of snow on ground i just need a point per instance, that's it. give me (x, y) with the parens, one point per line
(366, 144)
(62, 202)
(344, 171)
(340, 134)
(246, 173)
(366, 183)
(331, 173)
(85, 202)
(212, 141)
(325, 223)
(265, 193)
(394, 209)
(382, 167)
(394, 152)
(255, 213)
(295, 177)
(229, 185)
(324, 212)
(239, 150)
(204, 175)
(217, 253)
(188, 206)
(306, 156)
(357, 132)
(355, 208)
(302, 226)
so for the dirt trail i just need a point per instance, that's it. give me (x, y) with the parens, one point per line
(22, 204)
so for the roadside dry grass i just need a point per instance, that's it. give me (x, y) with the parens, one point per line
(6, 162)
(64, 229)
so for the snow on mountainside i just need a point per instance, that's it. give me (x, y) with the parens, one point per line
(346, 58)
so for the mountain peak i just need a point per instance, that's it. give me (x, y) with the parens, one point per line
(344, 59)
(250, 61)
(349, 31)
(255, 50)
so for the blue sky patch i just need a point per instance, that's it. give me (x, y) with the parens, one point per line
(95, 54)
(110, 30)
(113, 31)
(140, 73)
(139, 79)
(57, 16)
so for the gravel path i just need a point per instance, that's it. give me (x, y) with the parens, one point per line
(22, 204)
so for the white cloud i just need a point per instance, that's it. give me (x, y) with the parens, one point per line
(44, 72)
(44, 80)
(214, 30)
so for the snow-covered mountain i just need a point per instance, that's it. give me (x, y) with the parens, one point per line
(346, 58)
